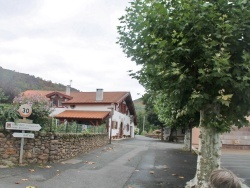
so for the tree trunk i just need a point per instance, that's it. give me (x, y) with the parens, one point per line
(187, 140)
(171, 136)
(162, 130)
(209, 153)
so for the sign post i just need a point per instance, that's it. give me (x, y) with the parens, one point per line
(23, 126)
(23, 135)
(25, 111)
(21, 149)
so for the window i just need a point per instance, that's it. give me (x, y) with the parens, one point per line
(127, 127)
(54, 102)
(114, 124)
(60, 102)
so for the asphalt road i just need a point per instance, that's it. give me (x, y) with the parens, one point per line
(133, 163)
(238, 162)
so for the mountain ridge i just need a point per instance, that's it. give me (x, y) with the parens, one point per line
(13, 83)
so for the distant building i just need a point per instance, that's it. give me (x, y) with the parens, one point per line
(236, 139)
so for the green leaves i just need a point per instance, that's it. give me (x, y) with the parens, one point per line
(207, 4)
(224, 99)
(190, 50)
(3, 97)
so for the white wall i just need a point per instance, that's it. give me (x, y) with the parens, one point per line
(103, 107)
(167, 132)
(57, 111)
(118, 117)
(124, 119)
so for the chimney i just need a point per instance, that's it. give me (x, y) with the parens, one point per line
(99, 94)
(68, 90)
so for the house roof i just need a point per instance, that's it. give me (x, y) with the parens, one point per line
(58, 93)
(37, 92)
(84, 97)
(89, 97)
(77, 114)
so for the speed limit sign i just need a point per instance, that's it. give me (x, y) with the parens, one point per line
(25, 110)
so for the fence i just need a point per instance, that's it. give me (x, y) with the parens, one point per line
(72, 127)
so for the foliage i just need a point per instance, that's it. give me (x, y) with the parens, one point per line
(136, 131)
(141, 121)
(40, 108)
(3, 97)
(172, 116)
(196, 53)
(139, 106)
(152, 117)
(7, 113)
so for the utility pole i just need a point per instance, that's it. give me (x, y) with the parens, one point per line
(143, 123)
(111, 117)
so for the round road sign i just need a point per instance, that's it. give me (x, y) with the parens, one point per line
(25, 110)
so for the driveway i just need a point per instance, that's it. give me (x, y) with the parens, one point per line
(132, 163)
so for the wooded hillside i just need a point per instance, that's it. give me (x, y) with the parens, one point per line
(139, 106)
(14, 83)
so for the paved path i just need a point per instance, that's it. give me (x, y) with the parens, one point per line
(238, 161)
(133, 163)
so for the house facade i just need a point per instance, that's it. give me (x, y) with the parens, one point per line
(115, 109)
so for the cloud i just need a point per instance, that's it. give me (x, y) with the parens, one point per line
(64, 40)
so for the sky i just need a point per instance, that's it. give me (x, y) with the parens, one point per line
(63, 40)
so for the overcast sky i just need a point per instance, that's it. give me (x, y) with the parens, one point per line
(63, 40)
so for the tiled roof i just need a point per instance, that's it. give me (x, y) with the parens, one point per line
(58, 93)
(77, 114)
(85, 97)
(36, 92)
(90, 97)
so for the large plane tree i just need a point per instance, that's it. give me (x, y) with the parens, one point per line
(198, 54)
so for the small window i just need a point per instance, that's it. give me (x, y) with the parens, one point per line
(127, 127)
(54, 102)
(60, 102)
(114, 124)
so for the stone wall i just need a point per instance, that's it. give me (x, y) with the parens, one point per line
(48, 147)
(237, 138)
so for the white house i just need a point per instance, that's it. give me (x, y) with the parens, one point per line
(94, 108)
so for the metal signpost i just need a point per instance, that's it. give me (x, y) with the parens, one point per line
(23, 135)
(23, 126)
(25, 111)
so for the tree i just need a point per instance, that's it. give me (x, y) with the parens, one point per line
(3, 97)
(6, 113)
(197, 53)
(152, 117)
(40, 108)
(170, 113)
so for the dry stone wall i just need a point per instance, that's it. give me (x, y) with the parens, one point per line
(48, 147)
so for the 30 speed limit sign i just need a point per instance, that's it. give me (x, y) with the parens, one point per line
(25, 110)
